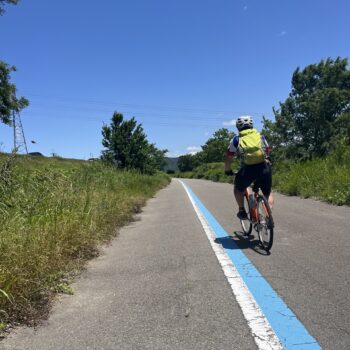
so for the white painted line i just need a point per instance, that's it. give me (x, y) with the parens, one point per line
(262, 332)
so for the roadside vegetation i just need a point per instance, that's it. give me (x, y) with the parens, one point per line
(326, 178)
(310, 137)
(53, 215)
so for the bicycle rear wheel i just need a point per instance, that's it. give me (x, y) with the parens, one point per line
(247, 224)
(265, 224)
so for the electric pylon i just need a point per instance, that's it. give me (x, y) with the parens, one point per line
(19, 141)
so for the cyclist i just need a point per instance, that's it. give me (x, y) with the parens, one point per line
(253, 151)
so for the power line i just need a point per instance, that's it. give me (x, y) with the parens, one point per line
(187, 123)
(113, 105)
(142, 114)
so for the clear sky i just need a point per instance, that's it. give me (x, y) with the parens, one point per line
(182, 68)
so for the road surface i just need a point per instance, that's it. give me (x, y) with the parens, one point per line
(160, 285)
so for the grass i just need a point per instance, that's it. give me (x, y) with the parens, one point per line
(53, 215)
(327, 178)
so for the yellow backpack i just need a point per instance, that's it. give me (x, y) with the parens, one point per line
(251, 147)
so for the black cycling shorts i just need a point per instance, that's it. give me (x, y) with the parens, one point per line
(260, 173)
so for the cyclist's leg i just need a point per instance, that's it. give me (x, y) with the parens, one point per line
(271, 200)
(239, 195)
(265, 183)
(242, 181)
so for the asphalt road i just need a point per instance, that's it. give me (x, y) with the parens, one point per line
(159, 284)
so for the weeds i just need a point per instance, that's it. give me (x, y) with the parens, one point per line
(53, 215)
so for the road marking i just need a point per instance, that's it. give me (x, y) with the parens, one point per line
(272, 323)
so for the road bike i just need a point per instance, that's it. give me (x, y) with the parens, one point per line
(259, 216)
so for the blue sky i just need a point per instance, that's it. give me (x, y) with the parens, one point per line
(182, 68)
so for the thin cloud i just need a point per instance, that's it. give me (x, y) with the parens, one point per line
(173, 154)
(193, 149)
(245, 8)
(229, 122)
(283, 33)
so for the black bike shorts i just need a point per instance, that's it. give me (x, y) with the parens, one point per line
(260, 174)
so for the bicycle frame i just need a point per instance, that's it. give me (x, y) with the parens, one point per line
(253, 211)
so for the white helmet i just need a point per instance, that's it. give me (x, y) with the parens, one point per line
(244, 122)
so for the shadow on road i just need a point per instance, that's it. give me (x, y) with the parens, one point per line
(241, 241)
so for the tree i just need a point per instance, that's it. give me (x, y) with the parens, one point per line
(308, 121)
(8, 101)
(343, 127)
(3, 2)
(185, 163)
(214, 149)
(128, 148)
(156, 158)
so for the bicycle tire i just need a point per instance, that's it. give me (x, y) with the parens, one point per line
(247, 224)
(265, 226)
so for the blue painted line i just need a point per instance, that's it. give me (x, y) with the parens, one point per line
(290, 331)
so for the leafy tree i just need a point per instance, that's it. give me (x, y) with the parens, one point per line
(156, 158)
(343, 127)
(185, 163)
(214, 149)
(8, 100)
(3, 2)
(308, 122)
(128, 148)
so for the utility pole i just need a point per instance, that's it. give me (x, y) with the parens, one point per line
(19, 140)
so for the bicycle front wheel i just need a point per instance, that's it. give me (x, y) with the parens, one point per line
(265, 224)
(246, 224)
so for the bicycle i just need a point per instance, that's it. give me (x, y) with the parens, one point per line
(259, 216)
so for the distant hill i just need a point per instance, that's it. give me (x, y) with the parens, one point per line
(171, 164)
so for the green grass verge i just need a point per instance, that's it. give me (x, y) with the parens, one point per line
(53, 214)
(326, 179)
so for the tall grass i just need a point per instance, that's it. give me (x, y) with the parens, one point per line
(53, 215)
(327, 178)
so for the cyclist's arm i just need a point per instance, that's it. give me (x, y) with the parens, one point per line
(229, 154)
(228, 160)
(266, 146)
